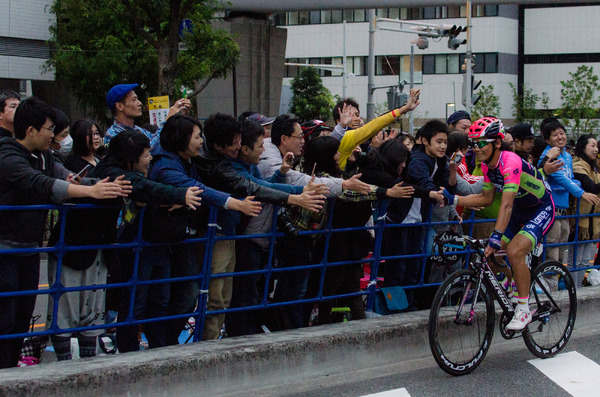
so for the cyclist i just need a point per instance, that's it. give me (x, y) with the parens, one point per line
(526, 212)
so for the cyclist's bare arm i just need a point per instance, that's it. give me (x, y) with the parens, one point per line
(483, 199)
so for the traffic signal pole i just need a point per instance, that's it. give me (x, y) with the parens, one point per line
(469, 57)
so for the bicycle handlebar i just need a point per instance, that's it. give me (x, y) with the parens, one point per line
(478, 245)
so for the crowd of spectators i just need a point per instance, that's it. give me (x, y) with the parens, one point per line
(161, 184)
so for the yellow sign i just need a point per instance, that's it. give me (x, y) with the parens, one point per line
(159, 109)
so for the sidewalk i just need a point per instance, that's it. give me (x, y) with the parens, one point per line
(235, 364)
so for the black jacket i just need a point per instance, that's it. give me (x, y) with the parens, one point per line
(420, 170)
(397, 209)
(218, 172)
(26, 178)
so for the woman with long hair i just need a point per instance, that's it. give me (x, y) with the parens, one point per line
(87, 140)
(585, 170)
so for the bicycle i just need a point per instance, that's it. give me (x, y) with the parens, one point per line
(461, 321)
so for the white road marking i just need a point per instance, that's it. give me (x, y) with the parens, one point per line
(391, 393)
(572, 371)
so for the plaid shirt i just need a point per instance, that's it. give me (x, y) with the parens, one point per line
(118, 127)
(304, 219)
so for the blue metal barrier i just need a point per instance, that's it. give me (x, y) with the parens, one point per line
(205, 276)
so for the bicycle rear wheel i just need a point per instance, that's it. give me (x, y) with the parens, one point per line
(552, 322)
(461, 325)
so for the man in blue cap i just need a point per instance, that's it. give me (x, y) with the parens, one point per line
(126, 107)
(460, 120)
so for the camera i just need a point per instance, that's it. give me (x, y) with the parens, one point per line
(285, 225)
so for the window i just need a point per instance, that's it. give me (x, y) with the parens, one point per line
(292, 18)
(315, 17)
(440, 64)
(429, 12)
(394, 13)
(303, 18)
(348, 15)
(491, 63)
(404, 13)
(381, 12)
(454, 12)
(387, 65)
(326, 16)
(338, 61)
(418, 69)
(491, 11)
(336, 16)
(453, 65)
(359, 16)
(428, 64)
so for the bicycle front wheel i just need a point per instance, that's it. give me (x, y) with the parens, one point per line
(461, 324)
(553, 312)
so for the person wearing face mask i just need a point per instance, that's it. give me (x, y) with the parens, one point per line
(62, 143)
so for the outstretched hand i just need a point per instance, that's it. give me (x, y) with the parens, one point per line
(192, 197)
(356, 185)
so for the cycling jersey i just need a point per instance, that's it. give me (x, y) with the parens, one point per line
(533, 208)
(513, 174)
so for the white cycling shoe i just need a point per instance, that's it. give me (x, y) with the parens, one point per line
(520, 320)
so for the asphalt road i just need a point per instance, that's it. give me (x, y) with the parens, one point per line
(506, 370)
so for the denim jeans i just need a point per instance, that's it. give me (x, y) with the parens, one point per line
(17, 273)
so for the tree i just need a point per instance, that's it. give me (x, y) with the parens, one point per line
(97, 44)
(311, 99)
(525, 107)
(579, 109)
(488, 104)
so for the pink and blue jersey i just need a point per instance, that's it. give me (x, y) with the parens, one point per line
(533, 208)
(513, 174)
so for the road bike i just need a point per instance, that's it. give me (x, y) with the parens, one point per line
(461, 321)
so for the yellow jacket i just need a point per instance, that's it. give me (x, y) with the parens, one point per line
(353, 138)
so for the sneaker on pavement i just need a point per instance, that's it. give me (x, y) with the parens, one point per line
(519, 321)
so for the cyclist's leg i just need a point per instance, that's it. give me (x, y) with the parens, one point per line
(516, 251)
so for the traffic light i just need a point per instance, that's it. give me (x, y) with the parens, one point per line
(452, 31)
(474, 85)
(396, 98)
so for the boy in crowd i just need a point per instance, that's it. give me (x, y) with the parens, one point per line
(29, 176)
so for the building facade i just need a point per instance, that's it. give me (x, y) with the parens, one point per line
(513, 44)
(24, 30)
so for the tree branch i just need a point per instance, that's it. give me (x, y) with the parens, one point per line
(137, 25)
(202, 86)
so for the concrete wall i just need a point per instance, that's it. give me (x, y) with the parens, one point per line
(258, 76)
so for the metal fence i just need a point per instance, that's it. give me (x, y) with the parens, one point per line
(270, 270)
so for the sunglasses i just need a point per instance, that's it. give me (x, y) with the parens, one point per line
(480, 144)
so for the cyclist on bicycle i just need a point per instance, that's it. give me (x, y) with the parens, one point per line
(526, 212)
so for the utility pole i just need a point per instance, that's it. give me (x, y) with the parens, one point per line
(371, 66)
(468, 60)
(345, 76)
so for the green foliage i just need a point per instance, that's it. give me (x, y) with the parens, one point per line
(579, 96)
(97, 44)
(311, 99)
(488, 104)
(525, 107)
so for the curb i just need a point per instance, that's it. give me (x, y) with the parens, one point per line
(232, 365)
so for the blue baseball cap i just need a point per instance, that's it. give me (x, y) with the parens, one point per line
(117, 93)
(457, 116)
